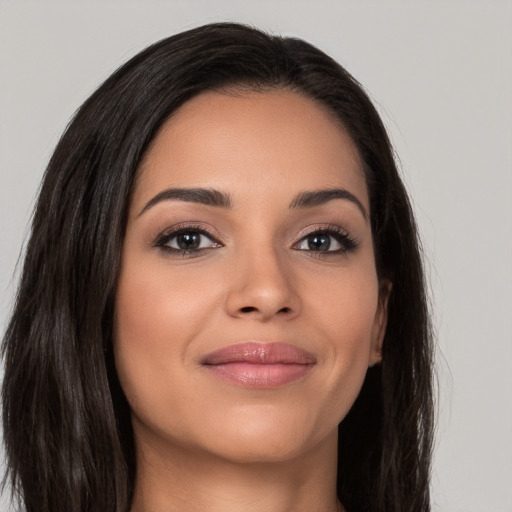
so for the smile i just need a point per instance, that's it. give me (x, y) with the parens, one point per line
(259, 365)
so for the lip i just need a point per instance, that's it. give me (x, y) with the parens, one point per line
(259, 365)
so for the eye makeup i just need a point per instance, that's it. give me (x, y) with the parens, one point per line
(192, 239)
(187, 240)
(327, 241)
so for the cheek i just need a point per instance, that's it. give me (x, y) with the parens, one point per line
(157, 316)
(155, 306)
(345, 319)
(345, 305)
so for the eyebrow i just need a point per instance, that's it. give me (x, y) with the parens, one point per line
(312, 198)
(212, 197)
(206, 196)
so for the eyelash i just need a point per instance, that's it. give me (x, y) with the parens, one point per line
(346, 242)
(164, 239)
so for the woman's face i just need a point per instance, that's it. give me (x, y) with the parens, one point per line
(248, 303)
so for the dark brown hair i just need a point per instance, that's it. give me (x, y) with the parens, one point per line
(67, 429)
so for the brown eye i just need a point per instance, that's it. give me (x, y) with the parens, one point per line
(330, 241)
(318, 242)
(187, 240)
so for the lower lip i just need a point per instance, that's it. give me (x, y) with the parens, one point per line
(257, 375)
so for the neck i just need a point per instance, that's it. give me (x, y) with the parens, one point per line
(172, 479)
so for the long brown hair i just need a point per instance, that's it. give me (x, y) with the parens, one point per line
(67, 430)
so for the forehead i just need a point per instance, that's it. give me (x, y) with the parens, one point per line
(251, 142)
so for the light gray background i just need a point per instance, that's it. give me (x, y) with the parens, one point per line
(440, 73)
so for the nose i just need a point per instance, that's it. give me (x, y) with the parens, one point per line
(263, 288)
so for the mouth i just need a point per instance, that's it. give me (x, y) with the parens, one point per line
(259, 365)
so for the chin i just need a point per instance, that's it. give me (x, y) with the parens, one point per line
(265, 438)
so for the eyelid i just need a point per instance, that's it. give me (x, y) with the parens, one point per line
(320, 227)
(168, 234)
(348, 242)
(344, 239)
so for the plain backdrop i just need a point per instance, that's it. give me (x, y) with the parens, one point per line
(440, 73)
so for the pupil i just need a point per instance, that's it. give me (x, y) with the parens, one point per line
(319, 242)
(188, 241)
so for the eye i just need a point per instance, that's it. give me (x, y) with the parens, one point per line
(327, 240)
(186, 240)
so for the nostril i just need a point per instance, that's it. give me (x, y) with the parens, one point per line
(248, 309)
(251, 309)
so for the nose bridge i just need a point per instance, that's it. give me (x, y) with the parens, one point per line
(262, 284)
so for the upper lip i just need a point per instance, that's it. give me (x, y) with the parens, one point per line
(259, 353)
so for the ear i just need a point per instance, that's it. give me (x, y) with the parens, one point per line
(380, 322)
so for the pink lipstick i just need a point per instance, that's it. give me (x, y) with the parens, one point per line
(259, 365)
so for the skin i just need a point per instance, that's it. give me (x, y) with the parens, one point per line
(204, 443)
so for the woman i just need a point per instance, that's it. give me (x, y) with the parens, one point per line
(222, 305)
